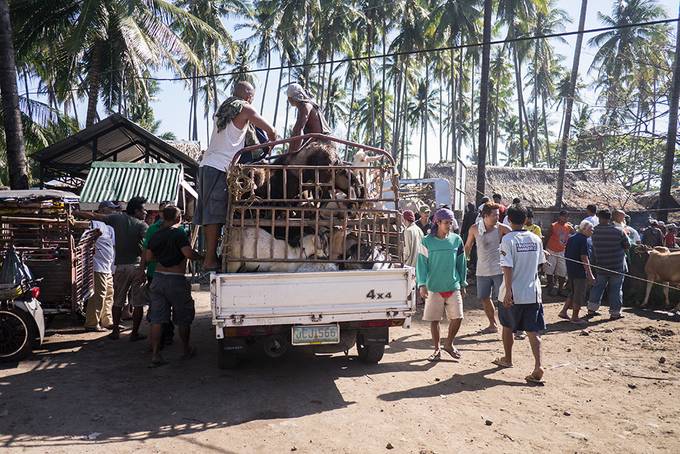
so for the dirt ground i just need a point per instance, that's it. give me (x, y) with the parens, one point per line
(616, 389)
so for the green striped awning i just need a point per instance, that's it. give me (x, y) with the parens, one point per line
(120, 181)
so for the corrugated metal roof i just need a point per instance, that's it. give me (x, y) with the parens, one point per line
(120, 181)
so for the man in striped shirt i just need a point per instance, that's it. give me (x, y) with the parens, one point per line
(609, 256)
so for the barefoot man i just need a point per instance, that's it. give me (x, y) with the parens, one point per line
(441, 274)
(487, 233)
(521, 255)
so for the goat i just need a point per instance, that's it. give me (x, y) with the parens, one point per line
(662, 266)
(267, 247)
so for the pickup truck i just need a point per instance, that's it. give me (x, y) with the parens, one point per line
(316, 264)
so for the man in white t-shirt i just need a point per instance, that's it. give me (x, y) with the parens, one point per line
(591, 215)
(233, 129)
(98, 312)
(520, 294)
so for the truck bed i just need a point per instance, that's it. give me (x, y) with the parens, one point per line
(261, 299)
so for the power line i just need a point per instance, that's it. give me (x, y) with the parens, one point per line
(415, 52)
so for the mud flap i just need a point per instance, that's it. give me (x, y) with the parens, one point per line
(375, 336)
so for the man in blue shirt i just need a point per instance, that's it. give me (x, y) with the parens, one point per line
(577, 254)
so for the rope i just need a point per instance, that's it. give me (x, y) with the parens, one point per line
(614, 272)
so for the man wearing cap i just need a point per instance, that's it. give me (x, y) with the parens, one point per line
(441, 278)
(423, 222)
(233, 129)
(98, 312)
(652, 235)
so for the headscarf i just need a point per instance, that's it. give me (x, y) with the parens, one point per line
(409, 215)
(443, 214)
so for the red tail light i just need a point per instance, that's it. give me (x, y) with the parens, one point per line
(35, 292)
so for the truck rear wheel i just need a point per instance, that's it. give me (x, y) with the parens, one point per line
(17, 332)
(226, 359)
(369, 353)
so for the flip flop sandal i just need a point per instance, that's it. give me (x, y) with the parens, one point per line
(520, 336)
(563, 317)
(158, 363)
(533, 380)
(500, 363)
(189, 355)
(137, 337)
(455, 354)
(434, 357)
(487, 330)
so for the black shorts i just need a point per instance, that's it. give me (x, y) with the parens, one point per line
(522, 317)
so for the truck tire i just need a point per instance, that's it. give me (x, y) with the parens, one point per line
(17, 331)
(369, 353)
(226, 359)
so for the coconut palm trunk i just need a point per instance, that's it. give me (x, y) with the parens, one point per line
(16, 154)
(484, 104)
(93, 84)
(569, 106)
(666, 200)
(278, 94)
(351, 111)
(384, 86)
(454, 119)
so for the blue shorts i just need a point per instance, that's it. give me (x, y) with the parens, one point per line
(487, 286)
(522, 317)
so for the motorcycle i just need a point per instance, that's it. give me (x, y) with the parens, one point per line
(22, 323)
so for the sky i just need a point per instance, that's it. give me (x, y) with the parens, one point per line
(172, 105)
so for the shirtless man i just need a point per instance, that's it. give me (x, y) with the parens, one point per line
(309, 117)
(487, 233)
(233, 129)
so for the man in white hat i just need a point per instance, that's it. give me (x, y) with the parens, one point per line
(309, 117)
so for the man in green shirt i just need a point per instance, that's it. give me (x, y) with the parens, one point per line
(441, 276)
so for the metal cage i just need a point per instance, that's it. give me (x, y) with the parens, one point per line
(281, 216)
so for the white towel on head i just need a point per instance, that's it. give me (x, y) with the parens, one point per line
(297, 93)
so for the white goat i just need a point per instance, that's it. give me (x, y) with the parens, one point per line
(267, 247)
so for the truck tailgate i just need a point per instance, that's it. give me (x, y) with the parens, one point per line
(249, 299)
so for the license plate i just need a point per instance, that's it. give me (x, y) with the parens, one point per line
(315, 335)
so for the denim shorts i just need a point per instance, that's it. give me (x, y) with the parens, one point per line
(522, 317)
(487, 286)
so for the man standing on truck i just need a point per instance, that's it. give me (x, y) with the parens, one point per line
(441, 277)
(487, 234)
(309, 116)
(233, 129)
(170, 289)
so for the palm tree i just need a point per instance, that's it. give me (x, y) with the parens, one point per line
(421, 109)
(617, 50)
(16, 155)
(569, 105)
(517, 15)
(484, 104)
(542, 70)
(665, 198)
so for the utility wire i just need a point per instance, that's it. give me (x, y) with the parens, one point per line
(417, 51)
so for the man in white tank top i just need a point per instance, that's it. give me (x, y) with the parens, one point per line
(233, 129)
(487, 233)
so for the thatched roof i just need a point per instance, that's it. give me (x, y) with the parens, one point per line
(650, 199)
(191, 149)
(537, 187)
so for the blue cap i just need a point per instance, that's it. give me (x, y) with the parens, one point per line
(108, 204)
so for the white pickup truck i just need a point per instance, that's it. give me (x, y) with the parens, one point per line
(323, 270)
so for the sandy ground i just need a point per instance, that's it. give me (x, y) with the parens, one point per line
(616, 389)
